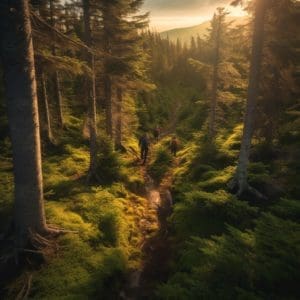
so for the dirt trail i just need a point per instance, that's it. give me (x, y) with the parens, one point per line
(156, 248)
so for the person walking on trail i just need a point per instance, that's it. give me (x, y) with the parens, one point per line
(144, 146)
(174, 145)
(156, 133)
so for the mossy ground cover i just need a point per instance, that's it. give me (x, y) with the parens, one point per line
(223, 247)
(94, 260)
(229, 248)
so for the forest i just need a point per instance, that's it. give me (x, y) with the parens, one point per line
(135, 166)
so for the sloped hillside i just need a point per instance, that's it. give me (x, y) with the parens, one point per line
(185, 34)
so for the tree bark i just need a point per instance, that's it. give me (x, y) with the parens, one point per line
(58, 99)
(108, 105)
(118, 134)
(92, 112)
(46, 108)
(215, 81)
(21, 95)
(107, 17)
(55, 78)
(253, 91)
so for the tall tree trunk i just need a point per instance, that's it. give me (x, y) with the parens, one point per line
(55, 78)
(46, 108)
(118, 134)
(108, 105)
(21, 95)
(215, 81)
(273, 108)
(253, 91)
(92, 115)
(108, 15)
(58, 99)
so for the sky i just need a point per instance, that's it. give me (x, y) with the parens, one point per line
(169, 14)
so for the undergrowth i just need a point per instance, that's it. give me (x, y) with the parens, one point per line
(160, 164)
(93, 261)
(229, 248)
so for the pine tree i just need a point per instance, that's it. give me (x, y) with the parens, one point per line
(279, 61)
(218, 28)
(240, 180)
(20, 87)
(56, 79)
(46, 108)
(68, 63)
(92, 115)
(122, 46)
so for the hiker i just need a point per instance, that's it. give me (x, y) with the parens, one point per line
(144, 145)
(156, 133)
(174, 145)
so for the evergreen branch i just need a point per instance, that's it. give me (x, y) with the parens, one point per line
(66, 64)
(63, 36)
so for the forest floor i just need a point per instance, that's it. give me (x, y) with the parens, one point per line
(122, 230)
(156, 247)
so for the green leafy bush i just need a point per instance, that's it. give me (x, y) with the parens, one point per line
(214, 180)
(213, 268)
(255, 264)
(108, 162)
(278, 256)
(161, 164)
(258, 173)
(198, 170)
(205, 213)
(287, 209)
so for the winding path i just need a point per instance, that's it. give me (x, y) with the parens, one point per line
(156, 248)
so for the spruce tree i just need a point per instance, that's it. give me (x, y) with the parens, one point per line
(218, 28)
(17, 56)
(240, 181)
(122, 48)
(56, 77)
(92, 114)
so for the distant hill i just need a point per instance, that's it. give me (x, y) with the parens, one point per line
(185, 34)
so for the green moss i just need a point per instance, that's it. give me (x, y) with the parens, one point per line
(61, 215)
(92, 261)
(227, 249)
(62, 173)
(80, 272)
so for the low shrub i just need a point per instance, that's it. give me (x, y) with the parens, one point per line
(287, 209)
(262, 263)
(108, 162)
(214, 180)
(161, 164)
(204, 213)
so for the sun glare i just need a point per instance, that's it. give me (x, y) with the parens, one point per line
(168, 20)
